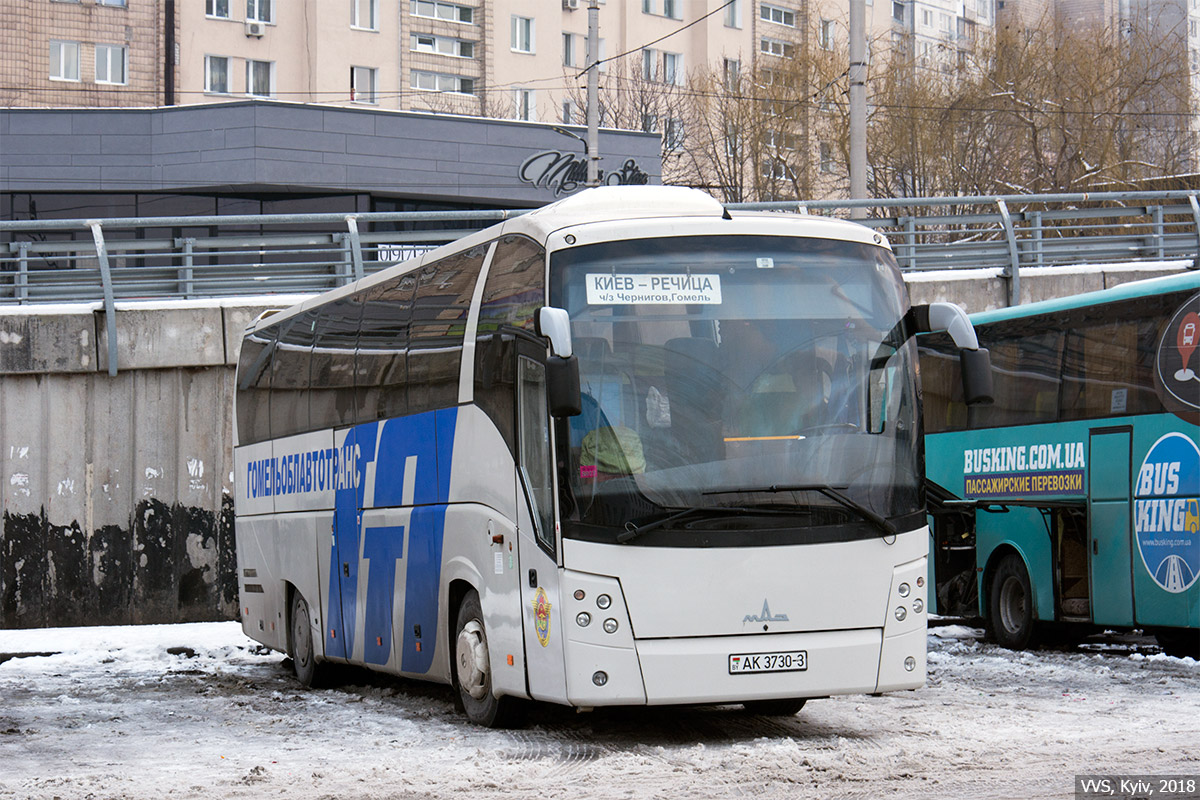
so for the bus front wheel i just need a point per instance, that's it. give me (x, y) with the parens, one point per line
(300, 644)
(1010, 604)
(473, 671)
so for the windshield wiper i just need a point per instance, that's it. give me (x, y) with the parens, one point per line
(633, 531)
(833, 493)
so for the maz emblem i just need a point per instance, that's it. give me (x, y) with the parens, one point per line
(765, 616)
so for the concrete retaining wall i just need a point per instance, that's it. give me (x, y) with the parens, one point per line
(117, 490)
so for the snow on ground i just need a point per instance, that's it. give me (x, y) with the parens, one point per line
(199, 711)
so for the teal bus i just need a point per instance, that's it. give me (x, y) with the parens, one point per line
(1071, 502)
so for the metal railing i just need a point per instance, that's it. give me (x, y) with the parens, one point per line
(191, 257)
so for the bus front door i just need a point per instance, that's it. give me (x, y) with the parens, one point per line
(1110, 526)
(541, 605)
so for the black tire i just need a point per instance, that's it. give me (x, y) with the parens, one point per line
(774, 708)
(472, 671)
(1179, 642)
(300, 644)
(1010, 604)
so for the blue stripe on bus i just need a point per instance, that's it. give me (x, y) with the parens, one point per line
(422, 581)
(428, 439)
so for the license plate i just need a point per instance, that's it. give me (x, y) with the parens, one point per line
(752, 663)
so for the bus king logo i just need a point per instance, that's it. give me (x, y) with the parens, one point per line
(1166, 514)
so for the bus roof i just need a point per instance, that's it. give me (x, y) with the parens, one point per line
(604, 204)
(1149, 286)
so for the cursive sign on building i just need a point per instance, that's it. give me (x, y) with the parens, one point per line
(565, 172)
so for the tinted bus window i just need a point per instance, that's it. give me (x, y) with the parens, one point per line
(514, 291)
(381, 361)
(289, 376)
(440, 304)
(331, 401)
(254, 385)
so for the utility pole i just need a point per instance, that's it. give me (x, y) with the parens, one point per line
(593, 94)
(858, 106)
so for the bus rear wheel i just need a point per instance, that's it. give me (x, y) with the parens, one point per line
(473, 671)
(300, 644)
(1010, 604)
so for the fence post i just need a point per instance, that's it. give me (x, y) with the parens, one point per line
(185, 274)
(1038, 256)
(110, 310)
(355, 247)
(22, 287)
(1013, 271)
(910, 237)
(1196, 222)
(1159, 233)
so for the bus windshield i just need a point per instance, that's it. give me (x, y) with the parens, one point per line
(738, 390)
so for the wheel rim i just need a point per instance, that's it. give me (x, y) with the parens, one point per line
(1012, 604)
(301, 636)
(473, 664)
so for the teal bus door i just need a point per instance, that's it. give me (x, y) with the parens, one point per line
(1110, 526)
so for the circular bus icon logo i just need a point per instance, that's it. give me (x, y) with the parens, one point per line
(1167, 512)
(1177, 363)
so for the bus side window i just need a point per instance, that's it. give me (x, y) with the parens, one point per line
(331, 401)
(254, 386)
(441, 302)
(290, 376)
(512, 294)
(381, 360)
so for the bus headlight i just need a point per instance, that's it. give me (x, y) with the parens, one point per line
(603, 601)
(918, 605)
(610, 625)
(583, 619)
(904, 590)
(900, 613)
(910, 663)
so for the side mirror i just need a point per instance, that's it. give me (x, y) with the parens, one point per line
(975, 362)
(562, 386)
(976, 368)
(555, 325)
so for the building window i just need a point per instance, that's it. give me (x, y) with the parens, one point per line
(780, 16)
(111, 64)
(673, 135)
(216, 74)
(434, 9)
(364, 14)
(733, 14)
(733, 73)
(524, 104)
(926, 18)
(522, 34)
(259, 11)
(649, 64)
(260, 78)
(897, 10)
(120, 3)
(217, 8)
(568, 112)
(442, 45)
(826, 34)
(363, 85)
(571, 49)
(673, 68)
(439, 82)
(64, 60)
(777, 47)
(826, 158)
(649, 123)
(671, 8)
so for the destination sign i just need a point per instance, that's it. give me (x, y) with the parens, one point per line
(607, 288)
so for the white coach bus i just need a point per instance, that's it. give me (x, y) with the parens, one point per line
(627, 449)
